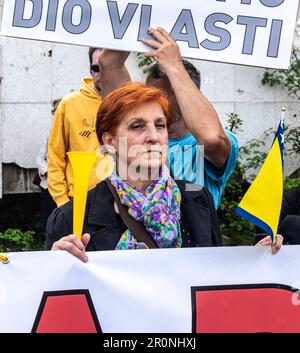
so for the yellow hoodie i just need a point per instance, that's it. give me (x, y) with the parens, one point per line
(73, 129)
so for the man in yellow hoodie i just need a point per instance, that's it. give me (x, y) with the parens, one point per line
(73, 129)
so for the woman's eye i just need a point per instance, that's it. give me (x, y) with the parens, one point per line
(161, 126)
(137, 126)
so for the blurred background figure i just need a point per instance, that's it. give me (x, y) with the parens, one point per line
(289, 224)
(73, 129)
(41, 178)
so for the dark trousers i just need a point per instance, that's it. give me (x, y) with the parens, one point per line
(47, 206)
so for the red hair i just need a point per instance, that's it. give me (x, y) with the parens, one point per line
(129, 96)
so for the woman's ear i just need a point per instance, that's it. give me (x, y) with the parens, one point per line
(107, 138)
(109, 143)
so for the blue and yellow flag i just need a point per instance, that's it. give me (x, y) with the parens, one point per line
(261, 204)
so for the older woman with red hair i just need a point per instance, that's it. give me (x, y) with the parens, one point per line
(140, 205)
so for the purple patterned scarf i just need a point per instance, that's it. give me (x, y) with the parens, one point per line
(158, 209)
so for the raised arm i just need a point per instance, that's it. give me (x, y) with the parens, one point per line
(198, 113)
(113, 70)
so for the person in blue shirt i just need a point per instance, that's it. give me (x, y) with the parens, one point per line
(200, 150)
(188, 163)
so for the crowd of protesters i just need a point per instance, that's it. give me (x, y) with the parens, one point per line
(182, 158)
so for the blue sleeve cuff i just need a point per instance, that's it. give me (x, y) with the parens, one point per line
(230, 164)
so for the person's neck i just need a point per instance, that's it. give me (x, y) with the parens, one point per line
(97, 90)
(178, 129)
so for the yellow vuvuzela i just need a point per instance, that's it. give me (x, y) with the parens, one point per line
(82, 164)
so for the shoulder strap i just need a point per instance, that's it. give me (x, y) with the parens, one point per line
(136, 228)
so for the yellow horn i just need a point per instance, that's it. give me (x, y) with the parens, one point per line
(82, 164)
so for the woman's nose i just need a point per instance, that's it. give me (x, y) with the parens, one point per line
(152, 135)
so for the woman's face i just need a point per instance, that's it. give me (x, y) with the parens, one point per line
(141, 141)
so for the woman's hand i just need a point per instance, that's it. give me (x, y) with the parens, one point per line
(267, 241)
(73, 245)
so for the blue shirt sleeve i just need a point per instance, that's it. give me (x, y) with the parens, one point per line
(216, 183)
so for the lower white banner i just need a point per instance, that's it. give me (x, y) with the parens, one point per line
(236, 289)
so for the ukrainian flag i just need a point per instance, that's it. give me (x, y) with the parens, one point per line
(261, 204)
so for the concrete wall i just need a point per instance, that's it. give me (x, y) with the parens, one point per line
(34, 73)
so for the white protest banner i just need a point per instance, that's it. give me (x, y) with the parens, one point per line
(249, 32)
(237, 289)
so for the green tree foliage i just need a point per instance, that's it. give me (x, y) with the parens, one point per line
(289, 79)
(16, 240)
(144, 62)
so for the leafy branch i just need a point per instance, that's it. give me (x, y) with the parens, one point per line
(290, 78)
